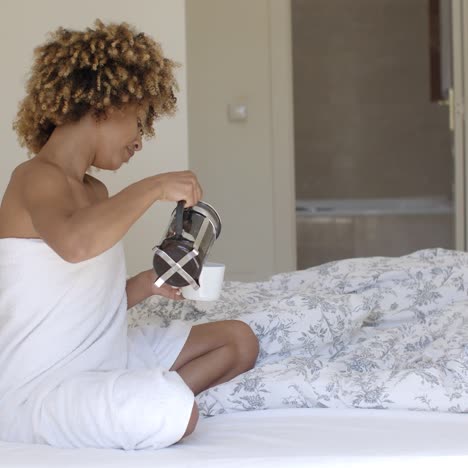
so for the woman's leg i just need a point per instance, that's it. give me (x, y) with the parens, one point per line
(215, 353)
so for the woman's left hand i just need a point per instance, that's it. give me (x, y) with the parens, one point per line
(165, 290)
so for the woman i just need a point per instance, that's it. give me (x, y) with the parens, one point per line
(71, 374)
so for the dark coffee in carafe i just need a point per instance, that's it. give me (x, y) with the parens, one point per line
(179, 259)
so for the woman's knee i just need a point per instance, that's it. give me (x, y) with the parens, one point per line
(192, 421)
(246, 344)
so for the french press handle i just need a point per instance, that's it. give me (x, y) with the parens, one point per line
(179, 219)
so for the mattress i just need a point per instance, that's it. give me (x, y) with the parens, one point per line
(294, 437)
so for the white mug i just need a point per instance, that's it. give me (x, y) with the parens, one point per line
(211, 283)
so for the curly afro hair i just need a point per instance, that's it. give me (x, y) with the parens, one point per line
(76, 72)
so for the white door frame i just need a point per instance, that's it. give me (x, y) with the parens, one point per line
(282, 136)
(460, 126)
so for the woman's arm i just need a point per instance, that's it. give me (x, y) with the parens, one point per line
(78, 234)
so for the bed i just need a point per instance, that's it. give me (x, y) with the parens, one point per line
(363, 362)
(299, 437)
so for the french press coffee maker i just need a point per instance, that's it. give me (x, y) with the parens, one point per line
(179, 259)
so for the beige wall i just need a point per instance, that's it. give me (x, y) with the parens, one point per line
(364, 126)
(228, 61)
(24, 24)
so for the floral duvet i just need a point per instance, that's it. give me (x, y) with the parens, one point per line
(378, 332)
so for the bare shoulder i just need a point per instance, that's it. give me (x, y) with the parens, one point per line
(35, 174)
(36, 170)
(98, 186)
(32, 185)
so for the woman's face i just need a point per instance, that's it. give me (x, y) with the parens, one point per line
(118, 138)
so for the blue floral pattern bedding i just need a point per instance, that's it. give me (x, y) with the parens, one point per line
(377, 332)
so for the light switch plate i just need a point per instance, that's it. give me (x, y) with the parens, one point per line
(237, 112)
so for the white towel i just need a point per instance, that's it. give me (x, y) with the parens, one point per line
(64, 377)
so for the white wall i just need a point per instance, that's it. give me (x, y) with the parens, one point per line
(228, 62)
(239, 52)
(24, 24)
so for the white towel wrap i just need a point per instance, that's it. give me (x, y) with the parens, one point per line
(64, 366)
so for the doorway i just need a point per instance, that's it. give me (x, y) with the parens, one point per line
(374, 164)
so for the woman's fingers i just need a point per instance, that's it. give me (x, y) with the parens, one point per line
(170, 292)
(182, 185)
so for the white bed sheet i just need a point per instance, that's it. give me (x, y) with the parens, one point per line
(299, 437)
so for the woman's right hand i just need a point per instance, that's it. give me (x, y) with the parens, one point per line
(182, 185)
